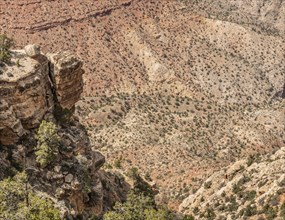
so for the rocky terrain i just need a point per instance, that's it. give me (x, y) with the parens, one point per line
(28, 90)
(35, 87)
(252, 188)
(177, 88)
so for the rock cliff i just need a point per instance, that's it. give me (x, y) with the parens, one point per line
(66, 73)
(33, 87)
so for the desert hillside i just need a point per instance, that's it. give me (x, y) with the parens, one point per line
(177, 88)
(243, 190)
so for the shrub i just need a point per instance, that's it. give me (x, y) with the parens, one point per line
(208, 184)
(270, 212)
(188, 217)
(249, 211)
(118, 163)
(62, 115)
(48, 143)
(140, 185)
(137, 207)
(250, 160)
(5, 46)
(210, 213)
(249, 195)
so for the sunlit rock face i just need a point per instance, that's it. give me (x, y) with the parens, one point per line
(31, 86)
(66, 71)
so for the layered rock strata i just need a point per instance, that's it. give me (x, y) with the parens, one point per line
(34, 87)
(66, 73)
(31, 87)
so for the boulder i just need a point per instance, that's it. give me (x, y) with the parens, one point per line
(68, 178)
(33, 50)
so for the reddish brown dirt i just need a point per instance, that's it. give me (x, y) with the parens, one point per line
(193, 86)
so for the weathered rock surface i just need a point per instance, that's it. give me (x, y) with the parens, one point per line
(75, 179)
(25, 94)
(193, 85)
(248, 189)
(11, 127)
(32, 88)
(32, 50)
(67, 72)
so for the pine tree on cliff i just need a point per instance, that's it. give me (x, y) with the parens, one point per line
(13, 203)
(48, 143)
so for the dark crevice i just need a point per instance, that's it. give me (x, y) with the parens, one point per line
(52, 82)
(283, 94)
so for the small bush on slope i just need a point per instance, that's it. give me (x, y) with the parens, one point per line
(5, 45)
(48, 143)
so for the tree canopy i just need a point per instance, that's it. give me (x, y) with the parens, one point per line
(48, 143)
(137, 207)
(18, 202)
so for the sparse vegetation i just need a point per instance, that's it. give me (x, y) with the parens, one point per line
(62, 115)
(177, 98)
(137, 207)
(17, 201)
(48, 143)
(5, 45)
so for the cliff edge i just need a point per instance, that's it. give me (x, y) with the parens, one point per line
(36, 87)
(33, 87)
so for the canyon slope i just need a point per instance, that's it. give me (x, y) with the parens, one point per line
(179, 89)
(243, 190)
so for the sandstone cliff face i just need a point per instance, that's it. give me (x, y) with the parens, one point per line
(30, 90)
(11, 127)
(67, 72)
(34, 87)
(74, 181)
(25, 92)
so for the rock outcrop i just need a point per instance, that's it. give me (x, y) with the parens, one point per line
(74, 180)
(33, 86)
(248, 189)
(32, 50)
(66, 72)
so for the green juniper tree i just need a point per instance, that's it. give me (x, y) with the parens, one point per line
(137, 207)
(19, 203)
(5, 45)
(140, 204)
(48, 143)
